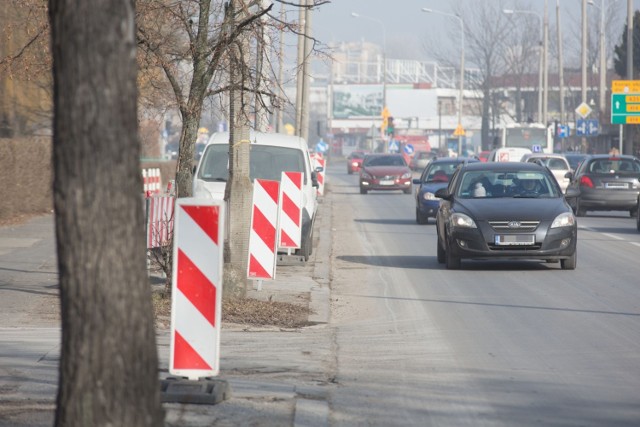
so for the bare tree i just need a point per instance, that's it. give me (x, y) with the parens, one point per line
(108, 364)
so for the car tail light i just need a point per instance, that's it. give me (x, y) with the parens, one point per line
(355, 164)
(585, 181)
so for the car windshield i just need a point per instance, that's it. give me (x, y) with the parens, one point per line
(439, 172)
(613, 165)
(498, 184)
(267, 162)
(384, 161)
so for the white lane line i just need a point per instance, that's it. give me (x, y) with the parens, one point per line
(613, 236)
(635, 243)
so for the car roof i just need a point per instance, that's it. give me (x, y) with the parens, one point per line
(544, 156)
(262, 138)
(383, 154)
(454, 159)
(609, 156)
(503, 166)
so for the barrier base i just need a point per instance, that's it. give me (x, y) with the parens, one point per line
(207, 391)
(290, 260)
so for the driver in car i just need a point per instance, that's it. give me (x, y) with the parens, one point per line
(526, 187)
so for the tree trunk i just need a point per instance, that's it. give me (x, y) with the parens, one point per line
(239, 190)
(108, 363)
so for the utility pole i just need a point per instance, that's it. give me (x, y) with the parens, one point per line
(630, 29)
(560, 63)
(300, 63)
(279, 125)
(545, 67)
(584, 51)
(304, 132)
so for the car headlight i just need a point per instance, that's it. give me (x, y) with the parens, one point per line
(462, 220)
(365, 175)
(566, 219)
(429, 196)
(406, 175)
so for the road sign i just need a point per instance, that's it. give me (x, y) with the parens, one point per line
(394, 146)
(625, 108)
(625, 86)
(583, 110)
(409, 149)
(536, 148)
(587, 127)
(563, 131)
(459, 131)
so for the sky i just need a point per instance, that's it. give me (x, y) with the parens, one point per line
(406, 26)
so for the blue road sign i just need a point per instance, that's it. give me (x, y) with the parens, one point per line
(409, 149)
(563, 131)
(593, 127)
(536, 148)
(394, 146)
(587, 127)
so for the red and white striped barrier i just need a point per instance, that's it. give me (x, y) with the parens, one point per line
(196, 302)
(321, 162)
(152, 181)
(264, 223)
(159, 220)
(290, 215)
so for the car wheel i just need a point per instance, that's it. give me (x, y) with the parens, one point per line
(441, 253)
(421, 219)
(452, 261)
(363, 191)
(638, 217)
(633, 212)
(570, 263)
(407, 191)
(306, 247)
(580, 211)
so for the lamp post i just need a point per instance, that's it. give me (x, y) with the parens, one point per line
(603, 61)
(543, 55)
(461, 94)
(384, 61)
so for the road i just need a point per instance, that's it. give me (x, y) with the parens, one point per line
(497, 344)
(408, 342)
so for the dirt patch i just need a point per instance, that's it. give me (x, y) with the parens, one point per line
(244, 311)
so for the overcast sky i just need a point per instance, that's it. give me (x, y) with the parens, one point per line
(406, 26)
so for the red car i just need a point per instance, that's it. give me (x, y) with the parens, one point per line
(354, 161)
(484, 156)
(385, 172)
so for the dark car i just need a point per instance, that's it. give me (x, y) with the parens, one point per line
(385, 172)
(511, 210)
(574, 159)
(354, 161)
(605, 183)
(434, 177)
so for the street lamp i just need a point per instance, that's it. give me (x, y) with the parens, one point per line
(603, 63)
(542, 110)
(461, 94)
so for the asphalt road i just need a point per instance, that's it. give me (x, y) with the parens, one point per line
(496, 343)
(408, 342)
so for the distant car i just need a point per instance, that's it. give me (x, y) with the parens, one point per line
(354, 161)
(385, 172)
(519, 214)
(605, 183)
(421, 159)
(574, 159)
(508, 154)
(434, 177)
(557, 163)
(483, 156)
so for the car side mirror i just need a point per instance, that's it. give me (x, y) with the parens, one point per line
(442, 193)
(416, 181)
(569, 175)
(319, 169)
(314, 179)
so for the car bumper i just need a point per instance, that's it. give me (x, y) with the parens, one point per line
(609, 200)
(374, 184)
(429, 208)
(480, 243)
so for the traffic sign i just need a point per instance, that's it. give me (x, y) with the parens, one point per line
(563, 131)
(587, 127)
(625, 108)
(536, 148)
(409, 149)
(459, 131)
(583, 110)
(625, 86)
(394, 146)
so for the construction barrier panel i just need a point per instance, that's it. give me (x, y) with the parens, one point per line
(290, 215)
(320, 162)
(159, 222)
(196, 299)
(264, 223)
(152, 181)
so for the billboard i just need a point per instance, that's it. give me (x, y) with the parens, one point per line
(356, 101)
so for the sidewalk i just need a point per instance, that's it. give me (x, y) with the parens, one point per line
(278, 377)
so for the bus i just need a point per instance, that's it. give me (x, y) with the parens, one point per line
(534, 136)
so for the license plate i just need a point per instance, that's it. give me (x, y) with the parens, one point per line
(515, 239)
(387, 182)
(616, 185)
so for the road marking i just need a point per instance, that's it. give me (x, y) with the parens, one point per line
(612, 236)
(635, 243)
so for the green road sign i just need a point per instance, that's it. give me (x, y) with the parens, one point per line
(625, 108)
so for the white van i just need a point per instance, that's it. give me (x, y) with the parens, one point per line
(271, 154)
(508, 154)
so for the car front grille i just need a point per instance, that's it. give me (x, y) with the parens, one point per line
(502, 226)
(523, 248)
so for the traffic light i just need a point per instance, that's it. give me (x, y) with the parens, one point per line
(390, 129)
(385, 123)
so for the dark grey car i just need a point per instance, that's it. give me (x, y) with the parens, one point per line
(605, 183)
(511, 210)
